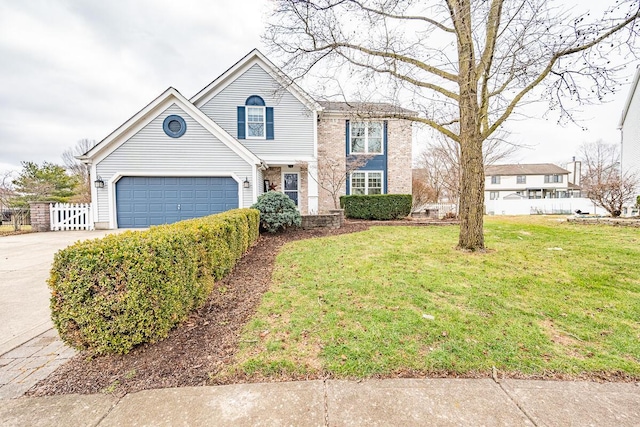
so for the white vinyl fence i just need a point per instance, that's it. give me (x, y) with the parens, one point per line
(541, 207)
(71, 216)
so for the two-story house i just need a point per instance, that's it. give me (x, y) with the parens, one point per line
(532, 181)
(250, 130)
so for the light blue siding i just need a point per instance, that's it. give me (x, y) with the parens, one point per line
(293, 121)
(150, 152)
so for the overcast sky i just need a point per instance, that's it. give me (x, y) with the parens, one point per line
(79, 69)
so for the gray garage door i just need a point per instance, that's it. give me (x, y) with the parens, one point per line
(144, 201)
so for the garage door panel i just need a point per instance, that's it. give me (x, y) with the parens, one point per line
(145, 201)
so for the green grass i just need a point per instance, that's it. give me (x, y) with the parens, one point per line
(358, 305)
(7, 229)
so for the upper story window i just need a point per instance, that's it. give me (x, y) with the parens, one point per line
(521, 179)
(366, 138)
(552, 178)
(255, 119)
(495, 179)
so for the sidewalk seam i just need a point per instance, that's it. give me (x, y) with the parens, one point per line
(116, 403)
(326, 402)
(515, 402)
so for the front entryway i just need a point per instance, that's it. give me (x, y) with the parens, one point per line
(291, 185)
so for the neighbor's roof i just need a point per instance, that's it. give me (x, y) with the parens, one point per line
(525, 169)
(365, 108)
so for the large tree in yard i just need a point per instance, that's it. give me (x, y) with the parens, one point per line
(464, 65)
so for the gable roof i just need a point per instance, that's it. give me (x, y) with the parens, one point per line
(525, 169)
(632, 91)
(150, 112)
(250, 59)
(365, 108)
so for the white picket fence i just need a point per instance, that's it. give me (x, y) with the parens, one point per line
(71, 216)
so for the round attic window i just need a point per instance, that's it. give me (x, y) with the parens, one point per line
(174, 126)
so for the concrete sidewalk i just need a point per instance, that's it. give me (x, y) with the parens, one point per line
(406, 402)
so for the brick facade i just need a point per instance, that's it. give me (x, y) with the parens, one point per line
(399, 156)
(332, 151)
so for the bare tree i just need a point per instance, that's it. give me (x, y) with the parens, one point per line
(10, 205)
(602, 180)
(441, 160)
(422, 193)
(459, 62)
(334, 171)
(81, 171)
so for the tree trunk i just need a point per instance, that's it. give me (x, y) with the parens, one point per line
(471, 195)
(471, 161)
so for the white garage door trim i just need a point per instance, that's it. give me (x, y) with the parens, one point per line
(113, 217)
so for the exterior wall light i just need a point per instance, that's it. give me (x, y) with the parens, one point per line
(98, 183)
(246, 184)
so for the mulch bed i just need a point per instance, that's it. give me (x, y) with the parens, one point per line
(198, 348)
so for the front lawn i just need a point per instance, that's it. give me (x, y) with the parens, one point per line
(549, 298)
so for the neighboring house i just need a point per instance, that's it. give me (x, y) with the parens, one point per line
(535, 189)
(249, 130)
(532, 181)
(629, 126)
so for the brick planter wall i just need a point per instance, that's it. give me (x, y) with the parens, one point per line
(317, 221)
(40, 216)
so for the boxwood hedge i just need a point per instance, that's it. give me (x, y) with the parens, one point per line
(111, 294)
(376, 206)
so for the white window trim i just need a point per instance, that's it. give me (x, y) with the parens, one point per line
(299, 183)
(264, 122)
(495, 181)
(366, 139)
(366, 180)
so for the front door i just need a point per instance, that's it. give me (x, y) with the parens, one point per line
(291, 185)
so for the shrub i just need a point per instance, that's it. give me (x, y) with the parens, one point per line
(111, 294)
(378, 206)
(277, 211)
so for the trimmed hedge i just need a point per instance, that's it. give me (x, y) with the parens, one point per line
(376, 206)
(111, 294)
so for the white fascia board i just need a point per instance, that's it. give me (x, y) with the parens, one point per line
(252, 58)
(273, 161)
(632, 91)
(134, 121)
(151, 111)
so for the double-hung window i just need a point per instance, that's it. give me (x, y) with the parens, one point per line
(521, 179)
(366, 138)
(255, 122)
(255, 119)
(552, 178)
(366, 182)
(495, 179)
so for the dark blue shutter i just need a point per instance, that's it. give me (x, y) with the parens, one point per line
(346, 132)
(348, 180)
(269, 122)
(385, 178)
(241, 123)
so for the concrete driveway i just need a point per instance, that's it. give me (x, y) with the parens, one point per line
(25, 261)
